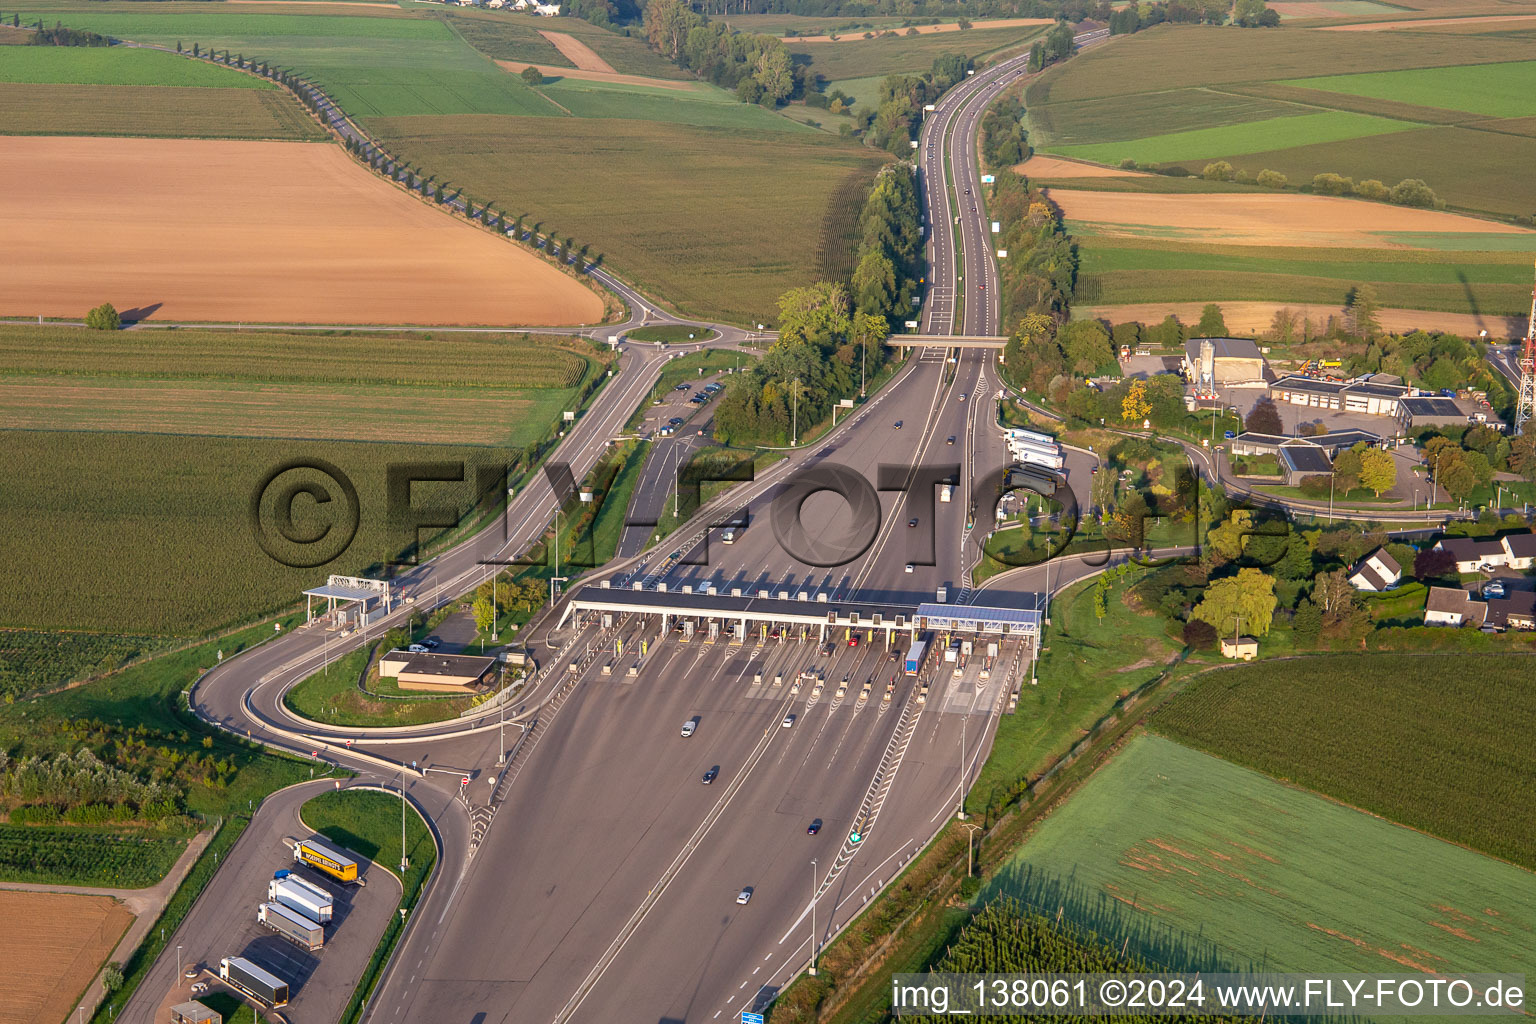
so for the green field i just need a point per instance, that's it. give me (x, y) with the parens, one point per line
(679, 210)
(332, 696)
(154, 111)
(379, 62)
(1496, 90)
(511, 36)
(1415, 105)
(33, 660)
(367, 822)
(77, 856)
(117, 65)
(1198, 862)
(1437, 742)
(704, 106)
(1116, 270)
(1230, 140)
(858, 57)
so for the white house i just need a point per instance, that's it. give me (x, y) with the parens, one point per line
(547, 10)
(1452, 606)
(1376, 572)
(1515, 551)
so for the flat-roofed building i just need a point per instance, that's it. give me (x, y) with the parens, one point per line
(1251, 442)
(438, 673)
(1227, 360)
(1372, 395)
(1302, 460)
(1438, 411)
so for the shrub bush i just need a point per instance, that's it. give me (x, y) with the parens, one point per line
(103, 318)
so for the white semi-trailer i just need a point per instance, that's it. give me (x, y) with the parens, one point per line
(305, 897)
(291, 925)
(253, 981)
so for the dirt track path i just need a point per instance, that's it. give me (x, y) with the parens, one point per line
(579, 53)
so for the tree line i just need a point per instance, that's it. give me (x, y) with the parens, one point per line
(58, 35)
(756, 67)
(897, 116)
(1036, 279)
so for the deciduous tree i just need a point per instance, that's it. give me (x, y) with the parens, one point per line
(1244, 603)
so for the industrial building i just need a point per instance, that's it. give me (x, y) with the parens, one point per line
(438, 673)
(1215, 362)
(1251, 442)
(1420, 413)
(1376, 394)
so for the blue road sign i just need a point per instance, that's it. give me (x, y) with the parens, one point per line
(748, 1017)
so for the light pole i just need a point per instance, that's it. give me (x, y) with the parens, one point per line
(970, 845)
(493, 609)
(178, 963)
(960, 809)
(1331, 478)
(403, 860)
(813, 918)
(863, 354)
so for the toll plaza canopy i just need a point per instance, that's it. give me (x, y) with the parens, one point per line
(765, 605)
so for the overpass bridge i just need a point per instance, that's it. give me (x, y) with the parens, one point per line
(945, 341)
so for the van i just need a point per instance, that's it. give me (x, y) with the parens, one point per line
(689, 727)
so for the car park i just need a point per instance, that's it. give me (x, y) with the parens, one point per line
(813, 828)
(711, 775)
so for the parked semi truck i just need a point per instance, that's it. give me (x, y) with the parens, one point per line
(1036, 457)
(1016, 434)
(291, 925)
(322, 856)
(305, 897)
(253, 981)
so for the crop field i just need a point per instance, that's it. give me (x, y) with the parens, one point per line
(1277, 100)
(859, 58)
(1194, 861)
(1437, 743)
(1246, 137)
(80, 856)
(1495, 90)
(77, 65)
(46, 965)
(706, 106)
(1114, 271)
(458, 360)
(376, 62)
(255, 232)
(33, 660)
(184, 554)
(512, 36)
(153, 111)
(703, 235)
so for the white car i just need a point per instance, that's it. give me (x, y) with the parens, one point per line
(689, 726)
(416, 649)
(744, 895)
(909, 567)
(789, 720)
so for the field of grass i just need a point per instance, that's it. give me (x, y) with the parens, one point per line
(34, 660)
(1436, 742)
(1229, 140)
(113, 859)
(667, 334)
(1116, 270)
(1086, 665)
(1276, 100)
(118, 65)
(859, 57)
(516, 35)
(153, 111)
(331, 695)
(678, 209)
(378, 62)
(1495, 90)
(705, 107)
(1193, 861)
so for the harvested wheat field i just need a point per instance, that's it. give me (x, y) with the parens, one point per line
(47, 964)
(254, 232)
(1250, 219)
(1248, 317)
(922, 30)
(1041, 166)
(577, 52)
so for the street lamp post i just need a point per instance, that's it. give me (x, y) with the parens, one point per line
(403, 860)
(813, 918)
(970, 846)
(178, 962)
(960, 809)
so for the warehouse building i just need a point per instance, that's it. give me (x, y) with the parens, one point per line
(1222, 361)
(1377, 394)
(1251, 442)
(1420, 413)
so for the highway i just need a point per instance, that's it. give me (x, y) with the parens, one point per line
(596, 878)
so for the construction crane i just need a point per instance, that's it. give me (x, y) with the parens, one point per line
(1525, 405)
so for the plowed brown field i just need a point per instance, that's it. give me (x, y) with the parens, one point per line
(45, 965)
(1252, 219)
(256, 232)
(578, 52)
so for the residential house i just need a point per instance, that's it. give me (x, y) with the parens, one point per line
(1517, 611)
(1376, 572)
(1513, 551)
(1452, 606)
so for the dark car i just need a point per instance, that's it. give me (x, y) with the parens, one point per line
(674, 421)
(898, 424)
(683, 387)
(950, 440)
(912, 521)
(711, 775)
(430, 643)
(813, 828)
